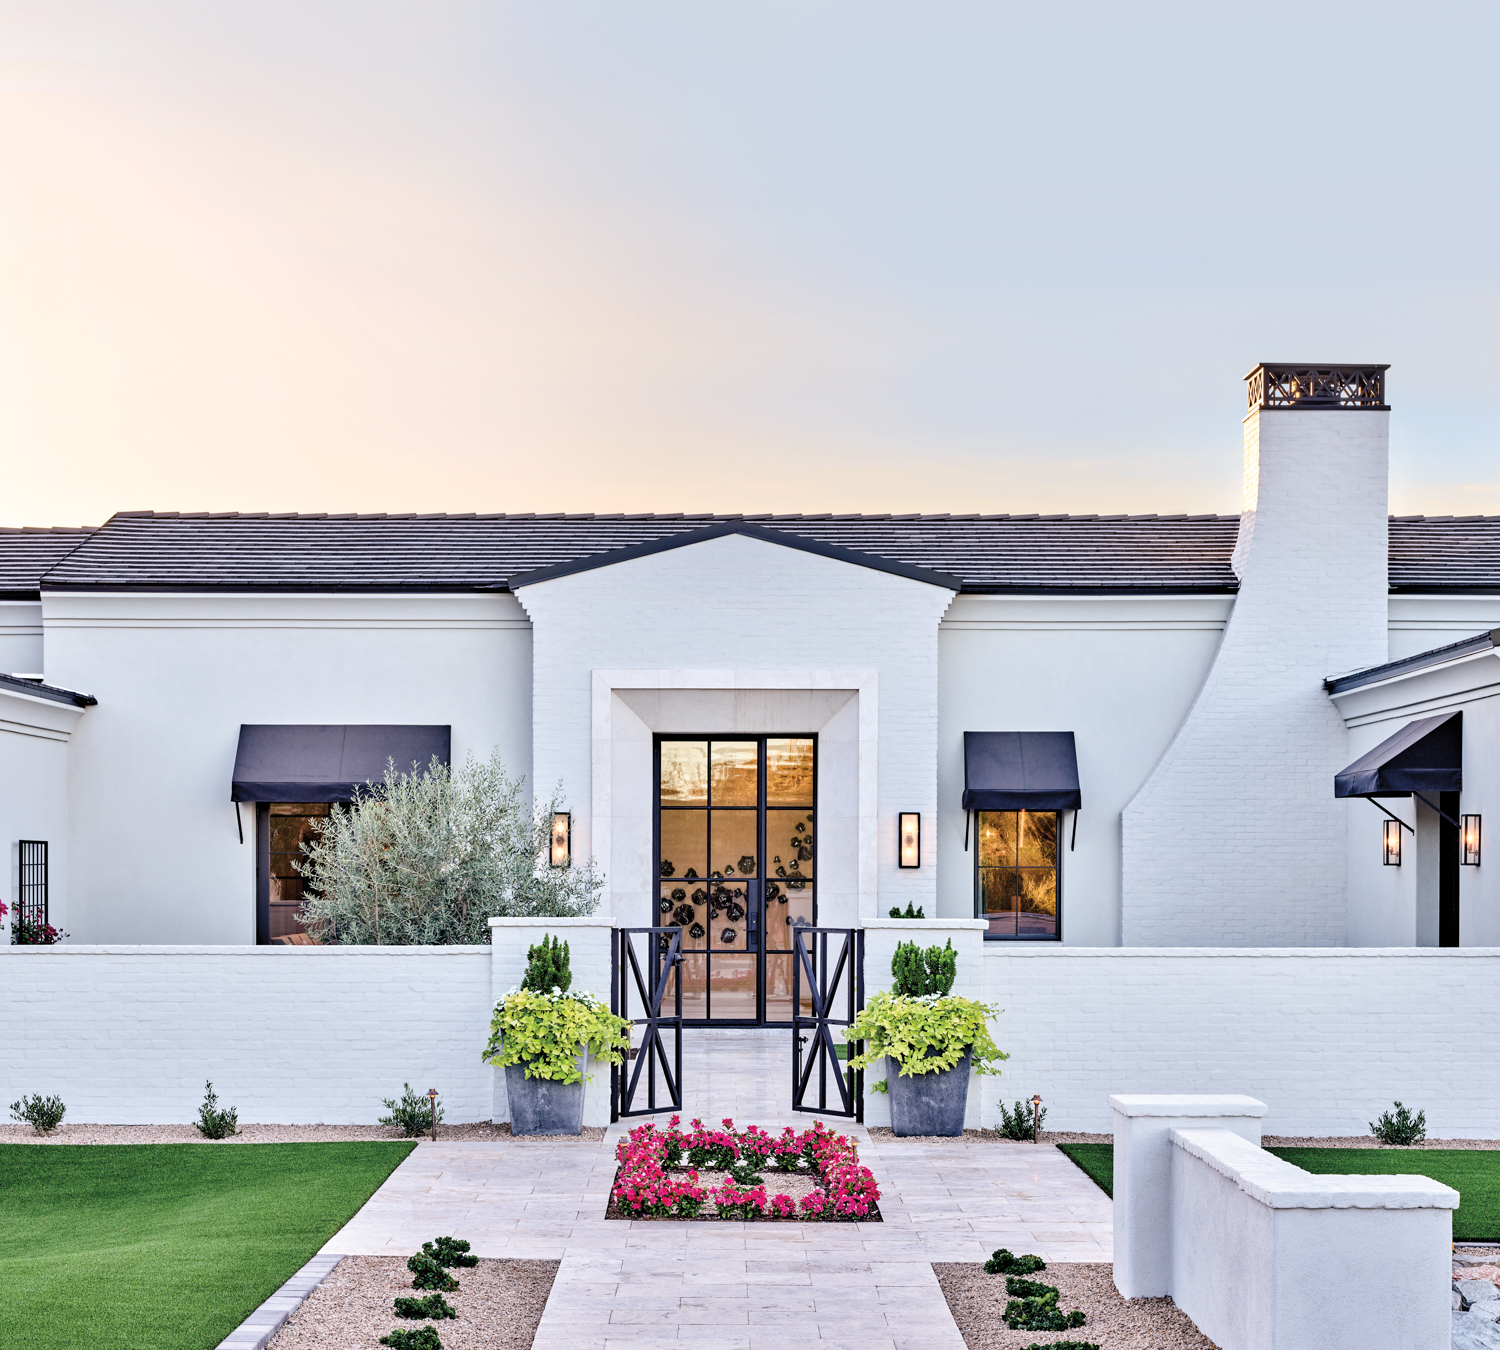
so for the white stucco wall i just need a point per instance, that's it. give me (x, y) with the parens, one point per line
(1327, 1038)
(155, 852)
(1418, 623)
(1120, 672)
(1235, 839)
(287, 1035)
(1391, 905)
(34, 735)
(21, 637)
(718, 615)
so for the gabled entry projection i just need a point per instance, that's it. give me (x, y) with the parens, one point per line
(736, 858)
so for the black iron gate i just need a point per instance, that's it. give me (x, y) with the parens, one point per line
(648, 961)
(832, 962)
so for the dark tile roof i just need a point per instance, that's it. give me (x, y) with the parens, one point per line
(142, 550)
(145, 550)
(1445, 553)
(27, 552)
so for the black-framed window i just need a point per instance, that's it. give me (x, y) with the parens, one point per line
(736, 867)
(1018, 874)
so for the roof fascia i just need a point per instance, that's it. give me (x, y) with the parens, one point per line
(1481, 644)
(783, 538)
(49, 693)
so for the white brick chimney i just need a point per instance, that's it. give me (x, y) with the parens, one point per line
(1235, 839)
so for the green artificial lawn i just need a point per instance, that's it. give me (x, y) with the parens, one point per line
(1098, 1160)
(1473, 1173)
(171, 1246)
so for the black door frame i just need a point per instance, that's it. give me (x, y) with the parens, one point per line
(756, 889)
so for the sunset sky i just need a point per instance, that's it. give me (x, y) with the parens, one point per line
(731, 257)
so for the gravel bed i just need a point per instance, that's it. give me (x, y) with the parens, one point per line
(499, 1304)
(478, 1131)
(977, 1300)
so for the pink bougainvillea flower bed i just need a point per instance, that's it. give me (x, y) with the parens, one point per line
(811, 1175)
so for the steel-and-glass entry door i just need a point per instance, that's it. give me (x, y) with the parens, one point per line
(736, 861)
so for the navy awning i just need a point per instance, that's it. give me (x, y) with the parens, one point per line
(1424, 756)
(327, 763)
(1020, 771)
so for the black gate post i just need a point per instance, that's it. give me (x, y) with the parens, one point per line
(663, 963)
(830, 982)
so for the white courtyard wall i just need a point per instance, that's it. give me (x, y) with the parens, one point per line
(1392, 905)
(288, 1035)
(156, 856)
(1119, 672)
(34, 735)
(1235, 839)
(21, 637)
(1327, 1038)
(739, 613)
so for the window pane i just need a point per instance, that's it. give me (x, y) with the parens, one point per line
(789, 841)
(779, 989)
(685, 905)
(733, 847)
(684, 844)
(728, 915)
(789, 772)
(694, 988)
(1038, 903)
(684, 773)
(786, 909)
(997, 838)
(731, 988)
(997, 891)
(1038, 839)
(736, 773)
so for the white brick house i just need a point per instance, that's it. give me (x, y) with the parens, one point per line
(1186, 657)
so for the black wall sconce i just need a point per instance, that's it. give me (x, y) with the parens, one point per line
(562, 838)
(911, 838)
(1468, 838)
(1392, 856)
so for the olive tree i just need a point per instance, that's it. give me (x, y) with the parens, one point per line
(430, 856)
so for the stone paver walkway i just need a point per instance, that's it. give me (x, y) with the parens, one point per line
(739, 1286)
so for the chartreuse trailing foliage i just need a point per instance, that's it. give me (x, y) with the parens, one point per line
(545, 1032)
(924, 1034)
(915, 971)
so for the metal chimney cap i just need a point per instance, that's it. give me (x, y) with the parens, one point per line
(1317, 387)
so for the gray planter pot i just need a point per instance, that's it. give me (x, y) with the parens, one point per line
(542, 1106)
(929, 1103)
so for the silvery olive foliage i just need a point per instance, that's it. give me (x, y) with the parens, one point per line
(429, 857)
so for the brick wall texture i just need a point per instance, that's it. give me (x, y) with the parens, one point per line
(1236, 839)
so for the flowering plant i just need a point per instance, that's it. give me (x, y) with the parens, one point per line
(546, 1032)
(28, 932)
(924, 1033)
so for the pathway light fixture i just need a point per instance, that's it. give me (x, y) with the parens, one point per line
(432, 1095)
(1036, 1117)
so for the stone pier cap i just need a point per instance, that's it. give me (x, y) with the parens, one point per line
(1278, 1184)
(1178, 1104)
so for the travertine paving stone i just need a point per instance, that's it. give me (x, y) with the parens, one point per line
(733, 1285)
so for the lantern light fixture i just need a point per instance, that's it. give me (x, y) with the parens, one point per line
(911, 838)
(1392, 852)
(562, 838)
(1468, 836)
